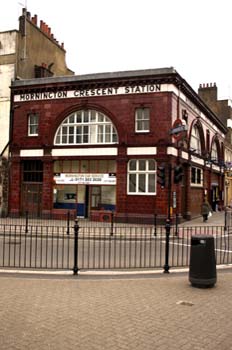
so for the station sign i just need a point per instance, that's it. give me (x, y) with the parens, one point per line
(178, 130)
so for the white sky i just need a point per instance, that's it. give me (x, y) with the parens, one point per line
(193, 36)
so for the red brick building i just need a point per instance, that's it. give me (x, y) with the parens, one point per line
(96, 142)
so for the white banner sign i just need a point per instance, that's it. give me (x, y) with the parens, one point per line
(109, 91)
(85, 179)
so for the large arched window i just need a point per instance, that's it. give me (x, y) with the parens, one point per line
(195, 141)
(86, 127)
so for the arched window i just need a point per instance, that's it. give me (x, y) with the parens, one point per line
(214, 152)
(195, 141)
(86, 127)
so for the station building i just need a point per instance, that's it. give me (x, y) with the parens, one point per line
(96, 144)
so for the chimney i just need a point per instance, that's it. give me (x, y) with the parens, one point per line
(24, 11)
(47, 30)
(34, 20)
(208, 92)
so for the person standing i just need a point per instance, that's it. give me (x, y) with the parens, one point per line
(205, 209)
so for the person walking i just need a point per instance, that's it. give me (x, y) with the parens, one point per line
(205, 209)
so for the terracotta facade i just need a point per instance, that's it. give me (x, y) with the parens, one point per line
(129, 163)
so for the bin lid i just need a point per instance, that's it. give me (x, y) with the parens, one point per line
(205, 237)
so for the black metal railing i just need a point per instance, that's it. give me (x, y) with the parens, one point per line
(66, 218)
(28, 219)
(101, 247)
(41, 247)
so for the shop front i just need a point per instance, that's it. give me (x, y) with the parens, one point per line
(84, 192)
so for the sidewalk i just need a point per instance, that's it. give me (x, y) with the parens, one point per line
(162, 312)
(217, 219)
(149, 311)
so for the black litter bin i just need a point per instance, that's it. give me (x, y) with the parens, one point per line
(202, 269)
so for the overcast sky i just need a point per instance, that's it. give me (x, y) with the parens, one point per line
(193, 36)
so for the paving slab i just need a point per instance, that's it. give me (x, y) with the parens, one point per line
(161, 312)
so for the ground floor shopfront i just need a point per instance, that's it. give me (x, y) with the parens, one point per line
(99, 188)
(89, 188)
(85, 186)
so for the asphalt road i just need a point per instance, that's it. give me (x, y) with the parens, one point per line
(53, 252)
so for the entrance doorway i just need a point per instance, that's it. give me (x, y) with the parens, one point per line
(98, 198)
(31, 199)
(215, 197)
(95, 199)
(92, 199)
(31, 189)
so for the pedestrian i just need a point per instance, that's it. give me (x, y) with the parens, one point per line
(205, 209)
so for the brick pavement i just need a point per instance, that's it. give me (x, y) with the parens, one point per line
(67, 313)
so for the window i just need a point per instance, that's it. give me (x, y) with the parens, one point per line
(85, 166)
(214, 152)
(141, 176)
(195, 142)
(142, 119)
(86, 127)
(43, 71)
(196, 176)
(32, 171)
(33, 124)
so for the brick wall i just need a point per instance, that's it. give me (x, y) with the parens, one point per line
(164, 109)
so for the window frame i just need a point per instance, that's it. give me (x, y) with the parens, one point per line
(31, 124)
(145, 119)
(195, 140)
(214, 152)
(32, 171)
(141, 175)
(86, 127)
(198, 174)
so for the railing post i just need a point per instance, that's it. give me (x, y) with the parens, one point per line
(155, 224)
(76, 231)
(167, 228)
(177, 222)
(225, 220)
(112, 224)
(168, 220)
(68, 222)
(26, 225)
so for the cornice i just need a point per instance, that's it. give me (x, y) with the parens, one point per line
(115, 79)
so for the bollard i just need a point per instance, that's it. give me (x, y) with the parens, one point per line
(167, 228)
(76, 231)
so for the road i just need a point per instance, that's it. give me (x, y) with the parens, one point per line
(102, 252)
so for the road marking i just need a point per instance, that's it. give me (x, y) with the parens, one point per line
(225, 251)
(189, 245)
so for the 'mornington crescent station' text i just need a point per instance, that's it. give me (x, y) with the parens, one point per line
(110, 91)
